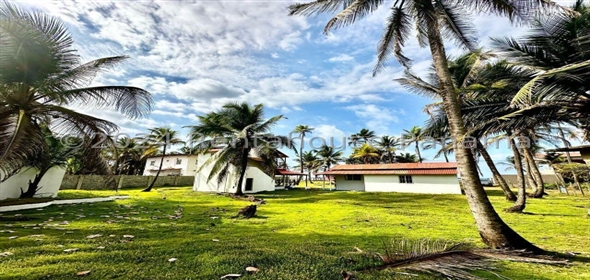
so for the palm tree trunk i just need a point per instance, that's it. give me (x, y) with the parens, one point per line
(243, 167)
(492, 229)
(446, 157)
(149, 188)
(497, 177)
(33, 185)
(418, 152)
(540, 191)
(520, 203)
(569, 158)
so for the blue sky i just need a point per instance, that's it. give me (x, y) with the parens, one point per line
(196, 56)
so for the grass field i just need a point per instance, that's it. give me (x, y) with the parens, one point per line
(298, 234)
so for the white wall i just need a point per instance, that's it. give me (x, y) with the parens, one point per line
(348, 185)
(432, 184)
(49, 184)
(187, 166)
(261, 181)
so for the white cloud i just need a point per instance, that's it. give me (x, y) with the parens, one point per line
(375, 117)
(341, 58)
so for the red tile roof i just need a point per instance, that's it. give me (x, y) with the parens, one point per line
(431, 168)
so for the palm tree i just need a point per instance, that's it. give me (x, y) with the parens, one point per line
(389, 145)
(430, 17)
(302, 130)
(407, 158)
(329, 156)
(414, 135)
(310, 162)
(247, 130)
(41, 77)
(366, 153)
(162, 137)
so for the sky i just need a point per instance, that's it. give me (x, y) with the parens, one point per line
(195, 56)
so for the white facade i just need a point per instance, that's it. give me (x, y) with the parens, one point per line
(254, 177)
(49, 184)
(180, 165)
(432, 184)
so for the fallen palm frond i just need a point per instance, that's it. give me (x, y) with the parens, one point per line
(448, 259)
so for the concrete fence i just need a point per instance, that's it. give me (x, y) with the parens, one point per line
(100, 182)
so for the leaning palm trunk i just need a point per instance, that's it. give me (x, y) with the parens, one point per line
(492, 229)
(418, 152)
(243, 167)
(149, 188)
(33, 185)
(497, 176)
(520, 203)
(534, 169)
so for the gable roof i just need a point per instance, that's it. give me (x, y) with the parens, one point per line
(430, 168)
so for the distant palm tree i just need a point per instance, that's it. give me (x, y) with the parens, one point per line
(302, 130)
(407, 158)
(366, 153)
(415, 136)
(329, 156)
(389, 145)
(311, 163)
(41, 77)
(162, 137)
(246, 130)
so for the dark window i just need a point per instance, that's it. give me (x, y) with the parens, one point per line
(178, 161)
(405, 179)
(249, 184)
(152, 163)
(352, 177)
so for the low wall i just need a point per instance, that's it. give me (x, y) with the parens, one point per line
(511, 179)
(100, 182)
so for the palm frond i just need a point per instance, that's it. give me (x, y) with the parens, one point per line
(356, 10)
(397, 31)
(455, 24)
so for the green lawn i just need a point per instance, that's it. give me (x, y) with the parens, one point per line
(298, 234)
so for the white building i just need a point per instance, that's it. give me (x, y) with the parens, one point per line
(49, 184)
(433, 178)
(178, 165)
(255, 179)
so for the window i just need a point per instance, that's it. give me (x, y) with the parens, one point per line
(153, 163)
(178, 161)
(405, 179)
(352, 177)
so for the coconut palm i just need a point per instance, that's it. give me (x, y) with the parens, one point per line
(406, 158)
(162, 137)
(246, 130)
(41, 78)
(414, 136)
(310, 162)
(388, 145)
(329, 156)
(302, 130)
(366, 153)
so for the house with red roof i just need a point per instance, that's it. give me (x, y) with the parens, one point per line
(433, 177)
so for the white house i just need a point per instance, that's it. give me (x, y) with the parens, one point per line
(433, 178)
(49, 184)
(179, 165)
(255, 180)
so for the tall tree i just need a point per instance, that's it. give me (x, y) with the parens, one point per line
(389, 145)
(329, 156)
(310, 163)
(246, 130)
(366, 153)
(414, 136)
(302, 130)
(162, 137)
(41, 77)
(430, 18)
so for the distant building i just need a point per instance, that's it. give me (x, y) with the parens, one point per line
(433, 178)
(174, 165)
(255, 179)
